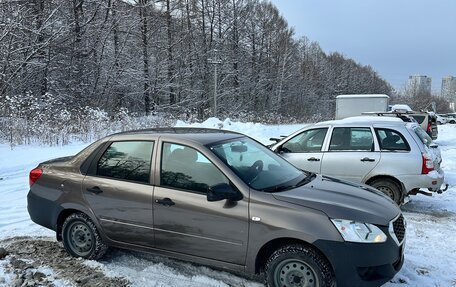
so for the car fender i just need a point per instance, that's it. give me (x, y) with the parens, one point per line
(286, 221)
(78, 207)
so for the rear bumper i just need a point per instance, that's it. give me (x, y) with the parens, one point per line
(363, 264)
(432, 181)
(43, 211)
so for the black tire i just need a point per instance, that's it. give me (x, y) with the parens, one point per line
(389, 188)
(81, 238)
(296, 265)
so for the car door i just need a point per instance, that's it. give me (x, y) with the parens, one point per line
(351, 154)
(304, 150)
(184, 220)
(397, 155)
(119, 191)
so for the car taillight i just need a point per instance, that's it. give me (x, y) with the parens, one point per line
(34, 175)
(429, 127)
(428, 165)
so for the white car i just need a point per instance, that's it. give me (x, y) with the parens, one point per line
(441, 120)
(396, 157)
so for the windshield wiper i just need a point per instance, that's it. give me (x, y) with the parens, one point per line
(306, 179)
(310, 176)
(278, 188)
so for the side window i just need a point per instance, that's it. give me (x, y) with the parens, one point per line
(307, 141)
(185, 168)
(351, 139)
(391, 140)
(129, 160)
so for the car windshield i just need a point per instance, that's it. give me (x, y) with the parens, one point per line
(424, 137)
(258, 166)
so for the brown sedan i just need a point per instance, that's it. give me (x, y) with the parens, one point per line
(221, 199)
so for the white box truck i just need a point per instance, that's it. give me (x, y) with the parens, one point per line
(355, 105)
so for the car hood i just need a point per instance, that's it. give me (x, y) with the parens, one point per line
(343, 200)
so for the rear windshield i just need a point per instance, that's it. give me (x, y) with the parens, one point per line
(424, 137)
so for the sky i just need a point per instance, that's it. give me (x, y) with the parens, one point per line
(398, 38)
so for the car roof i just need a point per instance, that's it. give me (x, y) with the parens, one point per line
(365, 120)
(199, 135)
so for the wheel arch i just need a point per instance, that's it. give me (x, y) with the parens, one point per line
(67, 211)
(384, 176)
(402, 189)
(269, 247)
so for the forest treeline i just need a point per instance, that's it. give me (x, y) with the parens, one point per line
(153, 56)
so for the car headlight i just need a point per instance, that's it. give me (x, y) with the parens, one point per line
(359, 232)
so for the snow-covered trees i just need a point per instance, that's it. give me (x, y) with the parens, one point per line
(150, 56)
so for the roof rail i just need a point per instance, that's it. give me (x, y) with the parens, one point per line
(405, 116)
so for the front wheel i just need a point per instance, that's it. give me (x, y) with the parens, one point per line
(81, 237)
(298, 266)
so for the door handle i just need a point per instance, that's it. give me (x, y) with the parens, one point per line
(313, 159)
(367, 159)
(165, 201)
(95, 190)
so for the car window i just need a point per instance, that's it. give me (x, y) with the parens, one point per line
(351, 139)
(307, 141)
(418, 118)
(391, 140)
(424, 137)
(129, 160)
(184, 167)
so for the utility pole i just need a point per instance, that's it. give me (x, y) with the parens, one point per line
(215, 60)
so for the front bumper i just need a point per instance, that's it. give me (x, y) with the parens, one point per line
(363, 264)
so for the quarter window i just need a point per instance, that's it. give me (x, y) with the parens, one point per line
(351, 139)
(307, 141)
(391, 140)
(129, 160)
(185, 168)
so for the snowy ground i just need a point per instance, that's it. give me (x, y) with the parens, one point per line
(431, 244)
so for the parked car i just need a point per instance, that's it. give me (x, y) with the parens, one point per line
(427, 120)
(396, 157)
(221, 199)
(441, 119)
(451, 118)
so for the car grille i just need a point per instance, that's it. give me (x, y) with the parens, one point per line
(398, 229)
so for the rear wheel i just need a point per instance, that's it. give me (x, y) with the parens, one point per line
(81, 237)
(298, 266)
(389, 188)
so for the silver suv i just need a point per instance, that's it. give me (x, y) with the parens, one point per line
(396, 157)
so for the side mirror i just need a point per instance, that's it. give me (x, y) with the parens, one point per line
(223, 191)
(274, 139)
(434, 145)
